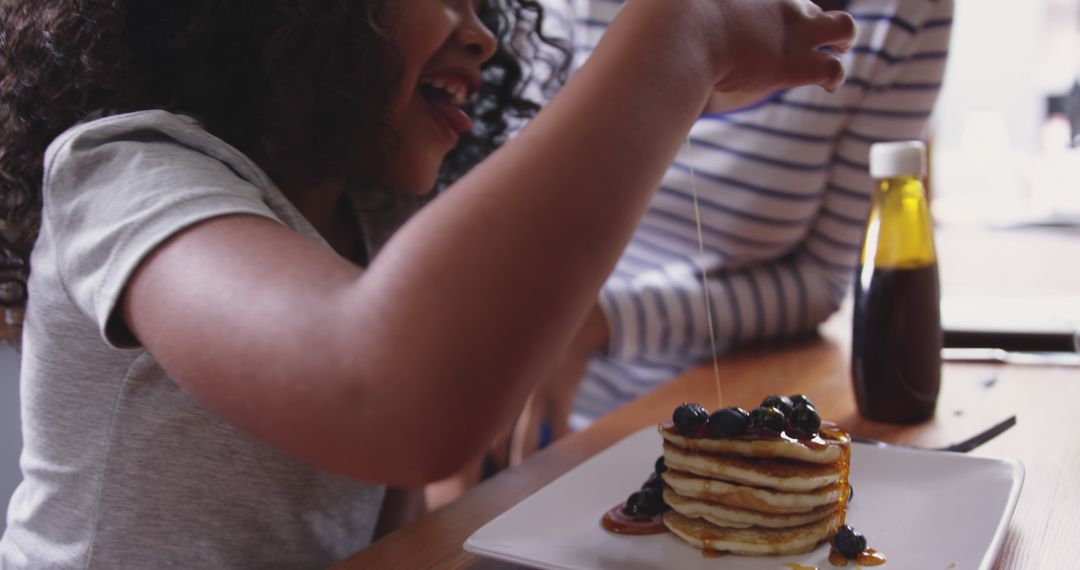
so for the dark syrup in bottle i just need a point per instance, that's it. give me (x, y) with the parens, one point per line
(896, 345)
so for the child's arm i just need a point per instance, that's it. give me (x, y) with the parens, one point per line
(404, 372)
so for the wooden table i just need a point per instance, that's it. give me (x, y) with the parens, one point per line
(1046, 401)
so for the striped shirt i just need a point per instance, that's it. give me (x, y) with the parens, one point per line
(784, 192)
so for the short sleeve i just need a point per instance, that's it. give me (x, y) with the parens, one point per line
(115, 190)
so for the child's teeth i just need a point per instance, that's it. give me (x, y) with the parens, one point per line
(457, 92)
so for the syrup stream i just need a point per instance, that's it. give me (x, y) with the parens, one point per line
(704, 274)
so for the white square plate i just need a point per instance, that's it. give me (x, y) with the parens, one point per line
(925, 510)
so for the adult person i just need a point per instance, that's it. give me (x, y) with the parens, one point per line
(783, 188)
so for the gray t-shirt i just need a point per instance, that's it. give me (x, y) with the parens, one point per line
(123, 469)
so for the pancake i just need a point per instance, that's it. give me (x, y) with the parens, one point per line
(760, 483)
(721, 515)
(780, 474)
(826, 448)
(750, 541)
(750, 498)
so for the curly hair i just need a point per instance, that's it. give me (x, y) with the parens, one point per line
(288, 82)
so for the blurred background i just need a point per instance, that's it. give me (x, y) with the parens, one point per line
(1005, 143)
(1006, 132)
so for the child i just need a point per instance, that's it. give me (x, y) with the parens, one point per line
(218, 371)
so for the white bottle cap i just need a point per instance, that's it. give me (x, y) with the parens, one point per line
(889, 159)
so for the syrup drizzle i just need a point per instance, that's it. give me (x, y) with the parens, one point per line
(704, 274)
(868, 557)
(618, 521)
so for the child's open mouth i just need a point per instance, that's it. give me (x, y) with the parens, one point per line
(446, 96)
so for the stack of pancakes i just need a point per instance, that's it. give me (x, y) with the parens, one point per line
(755, 495)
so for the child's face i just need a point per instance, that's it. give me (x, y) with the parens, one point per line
(443, 44)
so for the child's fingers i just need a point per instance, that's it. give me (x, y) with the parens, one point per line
(834, 73)
(821, 68)
(837, 30)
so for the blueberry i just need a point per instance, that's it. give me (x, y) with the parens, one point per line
(797, 399)
(782, 403)
(689, 417)
(660, 466)
(652, 502)
(729, 421)
(805, 418)
(654, 482)
(645, 503)
(849, 542)
(767, 419)
(633, 503)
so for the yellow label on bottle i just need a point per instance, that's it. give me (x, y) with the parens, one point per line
(899, 232)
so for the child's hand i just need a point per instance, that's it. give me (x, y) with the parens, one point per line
(775, 43)
(757, 46)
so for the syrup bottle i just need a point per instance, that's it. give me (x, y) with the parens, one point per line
(896, 332)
